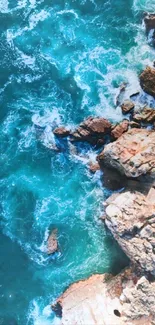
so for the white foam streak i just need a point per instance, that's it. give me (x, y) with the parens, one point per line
(72, 12)
(39, 317)
(3, 6)
(144, 5)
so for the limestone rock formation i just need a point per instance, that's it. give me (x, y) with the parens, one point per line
(133, 154)
(61, 132)
(147, 81)
(127, 106)
(131, 219)
(108, 300)
(92, 130)
(119, 129)
(52, 243)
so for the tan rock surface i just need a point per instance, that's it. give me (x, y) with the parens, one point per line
(131, 219)
(147, 81)
(133, 154)
(146, 115)
(92, 130)
(127, 106)
(52, 243)
(108, 300)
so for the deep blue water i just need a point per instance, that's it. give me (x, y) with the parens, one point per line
(60, 61)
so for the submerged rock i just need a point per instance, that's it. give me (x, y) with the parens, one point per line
(61, 132)
(147, 81)
(133, 154)
(107, 300)
(52, 243)
(127, 106)
(131, 219)
(119, 129)
(92, 130)
(149, 20)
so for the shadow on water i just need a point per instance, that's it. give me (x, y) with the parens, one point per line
(121, 261)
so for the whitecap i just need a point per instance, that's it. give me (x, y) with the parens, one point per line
(71, 11)
(143, 5)
(39, 316)
(4, 6)
(35, 18)
(49, 118)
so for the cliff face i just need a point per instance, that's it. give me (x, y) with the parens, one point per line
(131, 219)
(128, 298)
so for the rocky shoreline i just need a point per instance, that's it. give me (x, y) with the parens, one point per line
(129, 148)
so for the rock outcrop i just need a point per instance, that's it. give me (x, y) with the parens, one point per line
(131, 219)
(108, 300)
(52, 243)
(127, 106)
(61, 132)
(133, 154)
(119, 129)
(147, 81)
(92, 130)
(145, 115)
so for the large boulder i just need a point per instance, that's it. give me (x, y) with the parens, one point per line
(147, 81)
(131, 219)
(92, 130)
(107, 300)
(145, 115)
(133, 154)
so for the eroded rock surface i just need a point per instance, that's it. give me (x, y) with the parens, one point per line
(147, 81)
(145, 115)
(92, 130)
(108, 300)
(131, 219)
(133, 154)
(119, 129)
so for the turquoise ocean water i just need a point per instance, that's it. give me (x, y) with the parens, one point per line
(60, 61)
